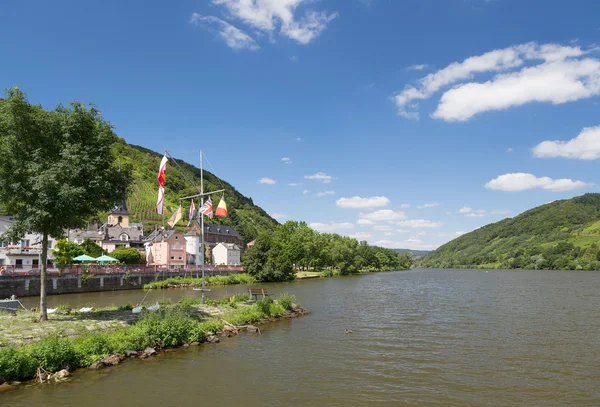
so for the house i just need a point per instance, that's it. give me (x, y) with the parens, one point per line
(215, 234)
(26, 254)
(117, 232)
(166, 248)
(228, 254)
(252, 243)
(193, 247)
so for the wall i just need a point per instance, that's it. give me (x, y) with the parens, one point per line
(26, 285)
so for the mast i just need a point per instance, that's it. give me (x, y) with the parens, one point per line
(202, 223)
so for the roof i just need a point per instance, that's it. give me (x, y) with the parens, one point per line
(157, 235)
(120, 209)
(230, 246)
(221, 230)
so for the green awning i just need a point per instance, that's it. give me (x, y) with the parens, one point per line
(84, 258)
(106, 259)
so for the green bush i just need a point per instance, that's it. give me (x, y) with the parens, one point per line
(211, 325)
(264, 305)
(91, 348)
(246, 315)
(172, 327)
(286, 300)
(276, 310)
(16, 364)
(53, 353)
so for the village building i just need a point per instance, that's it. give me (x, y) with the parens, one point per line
(227, 254)
(166, 248)
(117, 232)
(25, 254)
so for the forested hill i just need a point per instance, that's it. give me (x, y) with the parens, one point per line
(562, 235)
(245, 217)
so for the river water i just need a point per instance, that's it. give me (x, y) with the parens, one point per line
(420, 338)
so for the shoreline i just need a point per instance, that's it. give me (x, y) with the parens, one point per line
(52, 356)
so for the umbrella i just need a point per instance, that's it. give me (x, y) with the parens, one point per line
(84, 258)
(106, 259)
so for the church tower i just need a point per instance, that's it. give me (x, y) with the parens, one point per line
(119, 215)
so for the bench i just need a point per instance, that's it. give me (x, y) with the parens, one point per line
(255, 292)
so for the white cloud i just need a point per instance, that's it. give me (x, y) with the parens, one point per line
(325, 193)
(306, 192)
(382, 228)
(360, 236)
(278, 215)
(383, 215)
(268, 181)
(358, 202)
(272, 16)
(465, 209)
(293, 58)
(475, 215)
(320, 176)
(418, 67)
(402, 230)
(287, 160)
(428, 205)
(412, 244)
(365, 222)
(233, 36)
(509, 150)
(586, 146)
(562, 76)
(419, 223)
(388, 234)
(452, 235)
(404, 206)
(523, 181)
(294, 184)
(298, 139)
(327, 227)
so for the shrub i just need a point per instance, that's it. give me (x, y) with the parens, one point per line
(211, 325)
(276, 309)
(53, 353)
(245, 316)
(91, 348)
(286, 300)
(264, 305)
(17, 364)
(172, 327)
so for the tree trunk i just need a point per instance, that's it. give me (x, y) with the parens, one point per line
(43, 305)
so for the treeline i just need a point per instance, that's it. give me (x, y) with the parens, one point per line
(295, 246)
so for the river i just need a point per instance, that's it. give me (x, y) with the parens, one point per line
(420, 338)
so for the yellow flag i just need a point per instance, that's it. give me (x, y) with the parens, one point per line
(176, 217)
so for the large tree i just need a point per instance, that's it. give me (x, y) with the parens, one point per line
(57, 169)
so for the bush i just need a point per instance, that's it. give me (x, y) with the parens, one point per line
(286, 300)
(91, 348)
(211, 325)
(172, 327)
(245, 316)
(17, 364)
(53, 353)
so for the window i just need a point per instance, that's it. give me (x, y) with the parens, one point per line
(120, 219)
(25, 243)
(3, 244)
(172, 257)
(176, 237)
(49, 244)
(179, 258)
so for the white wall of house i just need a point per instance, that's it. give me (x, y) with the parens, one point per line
(226, 253)
(25, 254)
(194, 249)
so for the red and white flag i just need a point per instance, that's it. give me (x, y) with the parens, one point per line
(160, 203)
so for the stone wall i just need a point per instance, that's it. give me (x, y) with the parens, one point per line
(27, 285)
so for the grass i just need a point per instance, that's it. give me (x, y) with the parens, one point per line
(184, 322)
(232, 279)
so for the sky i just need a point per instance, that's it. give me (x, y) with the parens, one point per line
(403, 123)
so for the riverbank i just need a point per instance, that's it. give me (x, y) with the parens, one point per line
(70, 339)
(178, 281)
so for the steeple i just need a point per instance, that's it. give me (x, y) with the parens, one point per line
(119, 215)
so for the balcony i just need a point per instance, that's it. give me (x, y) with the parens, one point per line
(22, 251)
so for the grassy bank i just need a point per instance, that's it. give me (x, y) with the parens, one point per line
(173, 282)
(172, 326)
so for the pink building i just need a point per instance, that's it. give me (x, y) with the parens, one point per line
(166, 248)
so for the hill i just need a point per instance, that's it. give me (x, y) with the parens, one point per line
(247, 218)
(416, 253)
(562, 235)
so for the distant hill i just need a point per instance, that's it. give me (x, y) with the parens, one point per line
(416, 253)
(247, 218)
(561, 235)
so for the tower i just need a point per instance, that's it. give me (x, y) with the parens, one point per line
(119, 215)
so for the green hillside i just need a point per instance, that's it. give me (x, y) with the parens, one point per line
(562, 235)
(248, 219)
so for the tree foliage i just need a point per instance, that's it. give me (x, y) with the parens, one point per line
(294, 246)
(91, 249)
(562, 235)
(61, 167)
(64, 251)
(128, 255)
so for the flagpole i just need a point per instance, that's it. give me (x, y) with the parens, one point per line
(202, 223)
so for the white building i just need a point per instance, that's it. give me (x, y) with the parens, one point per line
(26, 254)
(226, 254)
(194, 248)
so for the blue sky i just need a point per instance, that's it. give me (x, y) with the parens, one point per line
(405, 123)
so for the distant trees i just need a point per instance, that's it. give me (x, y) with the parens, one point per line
(61, 169)
(295, 246)
(128, 255)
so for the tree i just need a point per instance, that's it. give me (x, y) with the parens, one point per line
(66, 251)
(128, 255)
(91, 249)
(61, 170)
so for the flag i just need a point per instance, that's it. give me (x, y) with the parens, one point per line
(206, 209)
(222, 208)
(176, 217)
(192, 213)
(160, 203)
